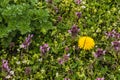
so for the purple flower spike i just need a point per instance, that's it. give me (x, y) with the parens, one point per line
(66, 48)
(44, 48)
(78, 14)
(59, 18)
(64, 59)
(113, 34)
(27, 42)
(61, 61)
(99, 53)
(5, 65)
(77, 1)
(116, 45)
(66, 79)
(100, 79)
(56, 9)
(117, 35)
(27, 70)
(74, 30)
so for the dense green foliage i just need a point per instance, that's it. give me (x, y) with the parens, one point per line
(21, 17)
(50, 22)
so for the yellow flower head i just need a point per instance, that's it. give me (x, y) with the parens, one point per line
(86, 43)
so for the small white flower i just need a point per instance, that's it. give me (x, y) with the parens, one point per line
(86, 17)
(42, 70)
(15, 58)
(108, 12)
(28, 61)
(119, 12)
(12, 72)
(8, 77)
(57, 74)
(18, 50)
(83, 2)
(18, 62)
(83, 7)
(24, 61)
(22, 46)
(68, 54)
(40, 59)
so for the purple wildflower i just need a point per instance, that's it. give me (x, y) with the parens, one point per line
(27, 42)
(59, 18)
(66, 48)
(27, 70)
(116, 45)
(44, 48)
(61, 61)
(110, 34)
(99, 53)
(117, 35)
(5, 65)
(78, 14)
(49, 1)
(65, 58)
(66, 79)
(74, 30)
(100, 78)
(77, 1)
(56, 9)
(113, 34)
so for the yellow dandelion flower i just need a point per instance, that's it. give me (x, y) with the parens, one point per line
(86, 43)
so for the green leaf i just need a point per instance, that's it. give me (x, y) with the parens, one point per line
(4, 3)
(43, 30)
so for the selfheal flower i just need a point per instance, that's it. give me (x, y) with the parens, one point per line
(113, 34)
(99, 52)
(78, 14)
(116, 45)
(100, 79)
(61, 61)
(74, 30)
(59, 18)
(64, 59)
(56, 9)
(66, 79)
(117, 35)
(5, 65)
(78, 1)
(66, 49)
(44, 48)
(27, 42)
(27, 70)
